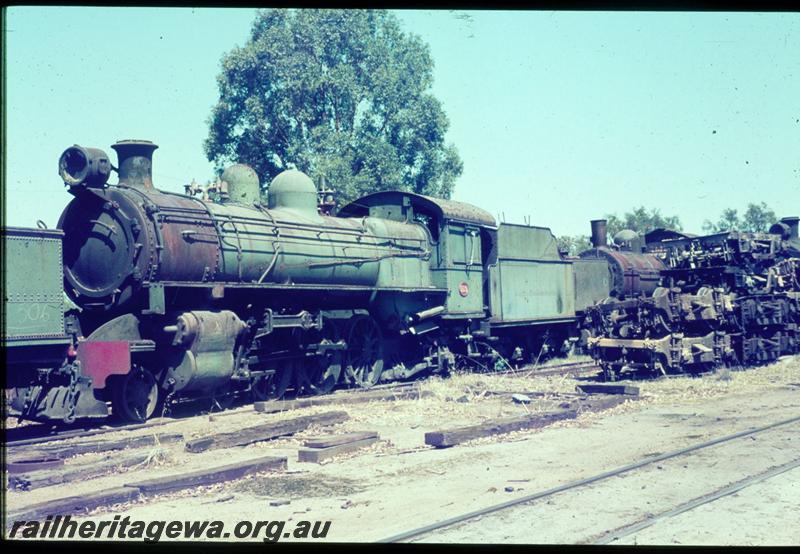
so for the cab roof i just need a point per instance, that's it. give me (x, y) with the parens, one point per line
(446, 209)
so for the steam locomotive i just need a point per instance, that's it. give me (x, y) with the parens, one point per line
(726, 299)
(168, 296)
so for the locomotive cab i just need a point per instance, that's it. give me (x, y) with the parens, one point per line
(458, 236)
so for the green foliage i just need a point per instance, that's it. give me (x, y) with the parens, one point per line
(641, 220)
(573, 245)
(757, 219)
(342, 95)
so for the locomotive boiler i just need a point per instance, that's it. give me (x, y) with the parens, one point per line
(632, 272)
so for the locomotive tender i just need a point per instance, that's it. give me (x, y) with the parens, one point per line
(177, 296)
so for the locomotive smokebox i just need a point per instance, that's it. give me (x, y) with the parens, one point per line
(599, 237)
(787, 227)
(135, 163)
(79, 166)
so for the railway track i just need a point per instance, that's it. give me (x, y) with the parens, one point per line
(31, 435)
(35, 436)
(616, 534)
(555, 369)
(417, 533)
(38, 434)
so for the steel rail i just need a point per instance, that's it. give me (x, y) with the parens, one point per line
(621, 532)
(87, 430)
(555, 369)
(581, 482)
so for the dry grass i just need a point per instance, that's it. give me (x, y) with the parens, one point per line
(689, 388)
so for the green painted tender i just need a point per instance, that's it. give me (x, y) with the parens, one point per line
(35, 340)
(34, 288)
(528, 279)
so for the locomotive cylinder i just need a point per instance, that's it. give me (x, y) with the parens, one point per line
(206, 340)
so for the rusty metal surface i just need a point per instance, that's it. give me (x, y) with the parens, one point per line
(730, 298)
(135, 163)
(671, 352)
(123, 237)
(191, 248)
(599, 234)
(79, 166)
(632, 274)
(640, 272)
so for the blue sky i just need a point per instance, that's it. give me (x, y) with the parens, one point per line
(558, 116)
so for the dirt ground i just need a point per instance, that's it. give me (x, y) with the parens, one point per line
(399, 483)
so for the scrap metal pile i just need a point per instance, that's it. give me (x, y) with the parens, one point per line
(727, 299)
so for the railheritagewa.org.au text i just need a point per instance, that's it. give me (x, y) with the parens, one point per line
(64, 527)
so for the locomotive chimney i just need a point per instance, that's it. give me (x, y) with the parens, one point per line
(135, 159)
(599, 237)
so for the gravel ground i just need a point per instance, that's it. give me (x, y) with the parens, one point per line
(398, 483)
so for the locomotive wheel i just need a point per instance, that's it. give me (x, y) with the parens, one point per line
(260, 387)
(222, 399)
(135, 396)
(274, 385)
(320, 374)
(326, 372)
(364, 360)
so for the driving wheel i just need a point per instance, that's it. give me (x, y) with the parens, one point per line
(320, 374)
(364, 358)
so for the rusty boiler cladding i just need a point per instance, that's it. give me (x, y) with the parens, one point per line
(631, 273)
